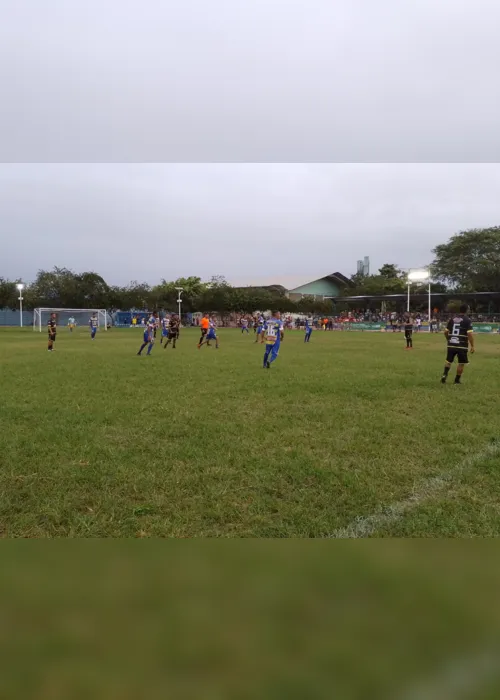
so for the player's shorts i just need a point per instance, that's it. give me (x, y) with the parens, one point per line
(52, 337)
(211, 335)
(164, 333)
(173, 335)
(461, 354)
(204, 331)
(408, 334)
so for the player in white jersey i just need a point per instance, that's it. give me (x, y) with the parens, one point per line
(165, 325)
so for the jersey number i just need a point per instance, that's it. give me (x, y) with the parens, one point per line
(456, 329)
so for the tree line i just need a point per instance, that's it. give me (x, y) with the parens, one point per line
(63, 288)
(468, 262)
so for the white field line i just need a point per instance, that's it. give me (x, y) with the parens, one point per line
(364, 526)
(461, 679)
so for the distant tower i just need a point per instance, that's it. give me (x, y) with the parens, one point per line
(364, 266)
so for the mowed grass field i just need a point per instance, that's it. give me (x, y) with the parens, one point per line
(350, 435)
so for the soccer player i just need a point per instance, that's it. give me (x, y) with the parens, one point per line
(409, 332)
(165, 323)
(273, 334)
(71, 324)
(148, 337)
(260, 330)
(173, 332)
(204, 324)
(309, 330)
(244, 325)
(52, 331)
(211, 335)
(459, 336)
(93, 323)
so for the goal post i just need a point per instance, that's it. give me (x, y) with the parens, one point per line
(41, 317)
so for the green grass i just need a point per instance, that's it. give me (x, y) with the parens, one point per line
(97, 442)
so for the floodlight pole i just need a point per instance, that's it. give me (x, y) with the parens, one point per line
(20, 288)
(408, 301)
(429, 319)
(179, 301)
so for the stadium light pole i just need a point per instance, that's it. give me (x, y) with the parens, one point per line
(420, 276)
(20, 288)
(179, 299)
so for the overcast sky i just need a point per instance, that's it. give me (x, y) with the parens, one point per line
(249, 80)
(242, 221)
(264, 81)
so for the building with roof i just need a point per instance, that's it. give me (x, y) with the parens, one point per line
(294, 287)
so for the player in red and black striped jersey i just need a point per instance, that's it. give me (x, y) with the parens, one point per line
(459, 336)
(173, 332)
(52, 331)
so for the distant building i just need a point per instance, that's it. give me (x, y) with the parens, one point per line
(329, 286)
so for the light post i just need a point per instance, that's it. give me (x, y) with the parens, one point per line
(20, 288)
(420, 276)
(179, 300)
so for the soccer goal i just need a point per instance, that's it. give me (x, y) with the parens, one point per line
(80, 317)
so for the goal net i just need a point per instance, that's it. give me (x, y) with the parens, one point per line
(79, 317)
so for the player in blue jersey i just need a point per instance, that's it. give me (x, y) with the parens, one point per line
(309, 330)
(93, 324)
(148, 338)
(211, 335)
(260, 329)
(165, 324)
(273, 335)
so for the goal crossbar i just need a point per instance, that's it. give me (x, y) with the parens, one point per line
(102, 315)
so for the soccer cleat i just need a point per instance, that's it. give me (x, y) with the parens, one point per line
(268, 365)
(443, 379)
(198, 346)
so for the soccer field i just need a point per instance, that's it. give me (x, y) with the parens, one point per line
(350, 435)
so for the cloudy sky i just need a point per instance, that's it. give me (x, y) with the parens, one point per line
(115, 90)
(145, 222)
(249, 80)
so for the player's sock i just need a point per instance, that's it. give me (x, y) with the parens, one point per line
(457, 379)
(149, 349)
(142, 348)
(445, 374)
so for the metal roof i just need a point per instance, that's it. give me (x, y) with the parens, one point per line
(289, 282)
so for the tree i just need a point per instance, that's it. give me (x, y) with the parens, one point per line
(470, 261)
(375, 285)
(7, 294)
(92, 291)
(57, 288)
(390, 272)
